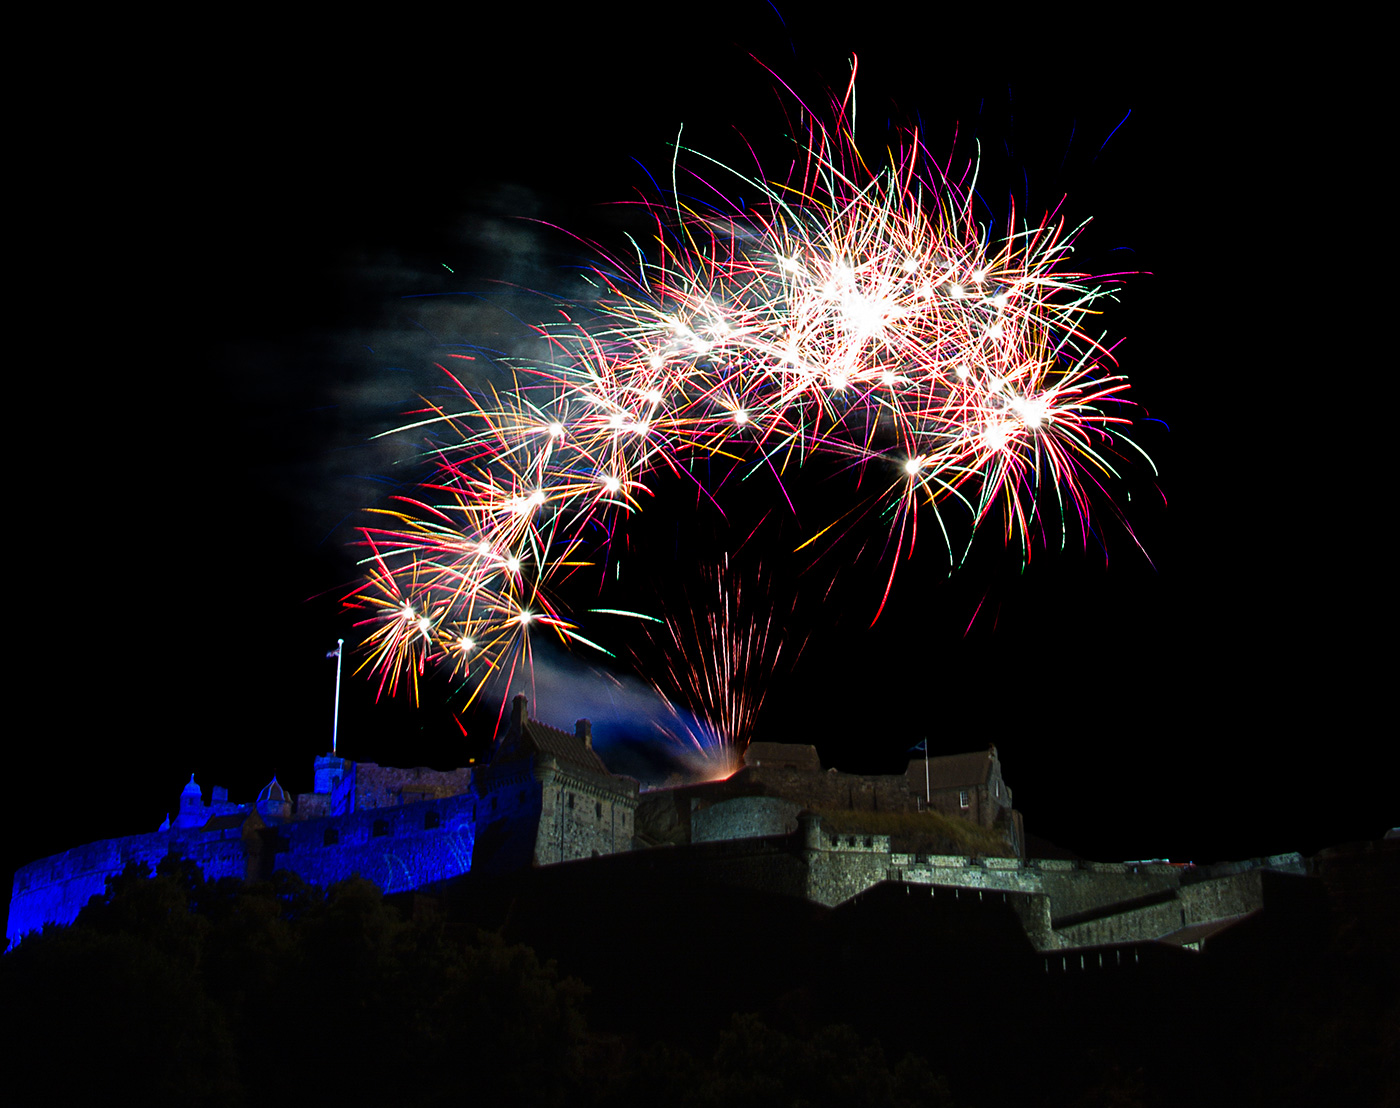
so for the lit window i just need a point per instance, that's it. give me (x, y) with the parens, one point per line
(962, 798)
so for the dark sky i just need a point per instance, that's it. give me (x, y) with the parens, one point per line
(243, 296)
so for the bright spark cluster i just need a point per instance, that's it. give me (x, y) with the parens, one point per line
(847, 312)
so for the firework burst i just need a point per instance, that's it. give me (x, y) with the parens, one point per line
(853, 313)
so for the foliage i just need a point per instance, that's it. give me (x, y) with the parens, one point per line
(756, 1065)
(209, 991)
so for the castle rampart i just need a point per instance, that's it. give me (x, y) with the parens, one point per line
(743, 817)
(547, 798)
(55, 889)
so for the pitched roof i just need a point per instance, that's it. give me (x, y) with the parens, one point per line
(952, 771)
(566, 748)
(528, 738)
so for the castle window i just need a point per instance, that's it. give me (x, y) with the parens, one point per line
(598, 809)
(571, 801)
(331, 837)
(381, 827)
(962, 799)
(431, 820)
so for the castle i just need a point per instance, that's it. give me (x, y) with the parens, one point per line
(544, 797)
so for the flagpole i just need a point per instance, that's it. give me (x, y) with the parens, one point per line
(335, 723)
(928, 797)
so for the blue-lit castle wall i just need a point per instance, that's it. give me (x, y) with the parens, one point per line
(400, 828)
(412, 835)
(396, 848)
(53, 890)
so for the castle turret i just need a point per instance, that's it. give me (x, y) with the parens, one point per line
(192, 813)
(583, 729)
(274, 805)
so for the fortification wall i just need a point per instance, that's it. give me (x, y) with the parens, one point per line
(1123, 902)
(846, 865)
(1090, 886)
(841, 791)
(379, 786)
(1231, 895)
(1007, 874)
(744, 817)
(1150, 921)
(55, 889)
(396, 848)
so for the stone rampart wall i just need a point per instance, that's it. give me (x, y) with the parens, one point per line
(395, 864)
(834, 876)
(1084, 890)
(1148, 922)
(387, 786)
(744, 817)
(55, 889)
(1231, 895)
(840, 791)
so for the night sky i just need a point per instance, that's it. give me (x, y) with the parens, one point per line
(243, 297)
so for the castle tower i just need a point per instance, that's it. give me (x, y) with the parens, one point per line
(546, 797)
(330, 771)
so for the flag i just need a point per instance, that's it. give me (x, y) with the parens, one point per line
(923, 746)
(333, 653)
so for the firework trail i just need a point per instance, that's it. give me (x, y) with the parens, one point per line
(716, 654)
(852, 313)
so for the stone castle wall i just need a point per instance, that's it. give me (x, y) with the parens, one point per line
(743, 817)
(577, 821)
(838, 869)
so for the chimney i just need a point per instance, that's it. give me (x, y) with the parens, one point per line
(583, 730)
(519, 713)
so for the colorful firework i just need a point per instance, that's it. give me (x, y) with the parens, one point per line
(717, 652)
(853, 313)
